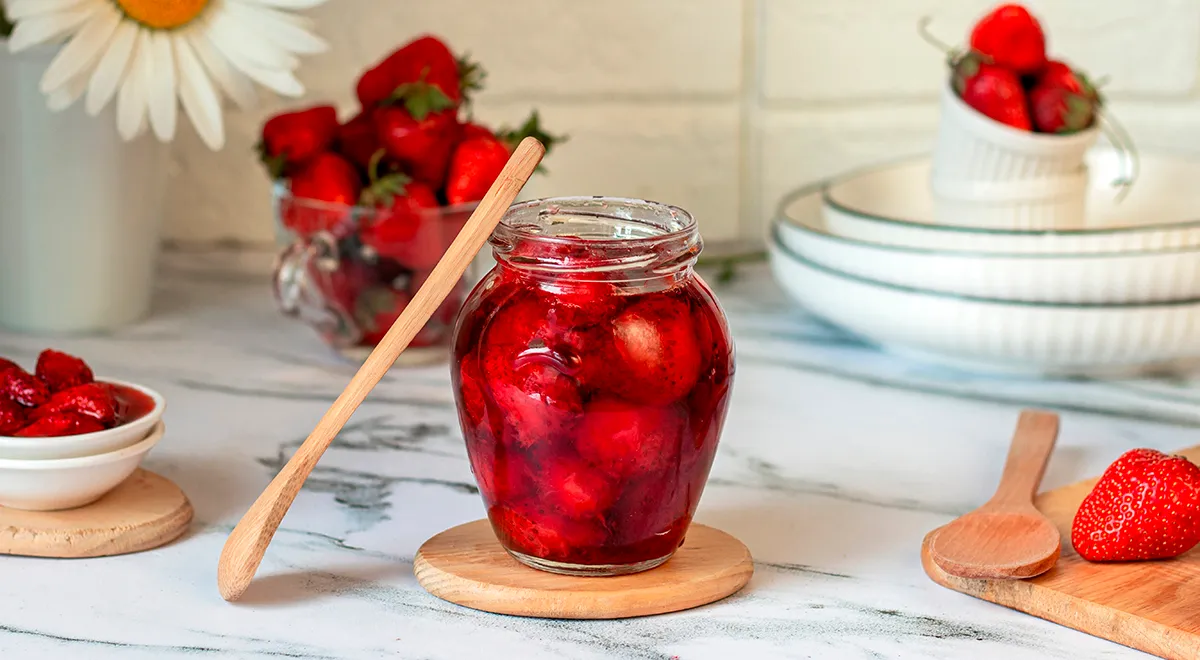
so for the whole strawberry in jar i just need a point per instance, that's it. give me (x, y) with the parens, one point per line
(593, 370)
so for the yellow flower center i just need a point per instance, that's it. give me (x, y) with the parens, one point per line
(162, 14)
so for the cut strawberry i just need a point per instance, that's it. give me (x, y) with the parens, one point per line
(23, 387)
(1146, 505)
(12, 416)
(60, 371)
(627, 440)
(60, 424)
(656, 345)
(95, 400)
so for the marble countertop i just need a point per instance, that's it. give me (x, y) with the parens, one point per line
(835, 461)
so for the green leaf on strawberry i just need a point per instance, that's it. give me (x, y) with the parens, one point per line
(471, 76)
(382, 189)
(420, 99)
(532, 127)
(276, 165)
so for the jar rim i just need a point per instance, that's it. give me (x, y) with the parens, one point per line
(686, 228)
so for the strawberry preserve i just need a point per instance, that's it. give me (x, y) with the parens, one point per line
(592, 368)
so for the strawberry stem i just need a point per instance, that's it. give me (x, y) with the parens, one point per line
(381, 189)
(923, 30)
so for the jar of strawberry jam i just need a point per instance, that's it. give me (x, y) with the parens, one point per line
(593, 369)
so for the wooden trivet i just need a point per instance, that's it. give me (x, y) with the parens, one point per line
(467, 566)
(144, 512)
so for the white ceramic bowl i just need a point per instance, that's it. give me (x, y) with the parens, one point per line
(1040, 204)
(87, 444)
(67, 483)
(982, 334)
(892, 204)
(972, 147)
(1122, 277)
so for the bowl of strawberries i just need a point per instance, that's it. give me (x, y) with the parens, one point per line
(366, 207)
(1014, 130)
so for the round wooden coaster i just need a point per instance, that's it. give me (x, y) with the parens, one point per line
(467, 566)
(144, 512)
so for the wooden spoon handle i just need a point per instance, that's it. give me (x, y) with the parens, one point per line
(246, 545)
(1032, 444)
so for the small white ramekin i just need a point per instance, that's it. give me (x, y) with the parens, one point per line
(973, 147)
(67, 483)
(1054, 203)
(980, 334)
(87, 444)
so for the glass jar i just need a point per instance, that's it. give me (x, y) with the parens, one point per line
(592, 368)
(348, 279)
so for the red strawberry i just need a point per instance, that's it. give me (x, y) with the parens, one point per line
(421, 139)
(574, 488)
(657, 351)
(23, 387)
(291, 139)
(95, 400)
(628, 440)
(60, 371)
(424, 59)
(540, 403)
(1010, 37)
(477, 416)
(327, 178)
(479, 157)
(358, 141)
(993, 91)
(12, 416)
(405, 225)
(59, 424)
(532, 532)
(5, 365)
(1146, 505)
(1063, 100)
(474, 166)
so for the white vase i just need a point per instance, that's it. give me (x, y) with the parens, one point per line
(80, 210)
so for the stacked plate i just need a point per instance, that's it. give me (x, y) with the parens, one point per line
(1118, 297)
(51, 474)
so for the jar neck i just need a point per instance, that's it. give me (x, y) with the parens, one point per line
(597, 239)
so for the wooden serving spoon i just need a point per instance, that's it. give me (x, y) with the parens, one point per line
(244, 548)
(1007, 537)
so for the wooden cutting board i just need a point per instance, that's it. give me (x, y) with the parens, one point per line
(1150, 606)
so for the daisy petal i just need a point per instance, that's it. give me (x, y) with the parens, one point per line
(111, 68)
(18, 10)
(234, 83)
(270, 24)
(198, 96)
(65, 95)
(231, 37)
(289, 4)
(161, 94)
(47, 28)
(131, 100)
(82, 49)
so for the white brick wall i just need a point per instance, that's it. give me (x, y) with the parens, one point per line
(720, 106)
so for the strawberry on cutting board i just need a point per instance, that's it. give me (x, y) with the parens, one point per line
(1146, 505)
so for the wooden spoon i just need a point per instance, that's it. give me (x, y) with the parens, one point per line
(1007, 537)
(244, 548)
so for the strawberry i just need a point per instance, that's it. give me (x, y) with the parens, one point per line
(95, 400)
(60, 371)
(628, 440)
(5, 365)
(59, 424)
(1063, 100)
(575, 489)
(539, 402)
(421, 137)
(1146, 505)
(477, 416)
(993, 91)
(328, 178)
(530, 531)
(479, 157)
(424, 59)
(358, 141)
(405, 224)
(1010, 37)
(12, 417)
(23, 387)
(291, 139)
(657, 351)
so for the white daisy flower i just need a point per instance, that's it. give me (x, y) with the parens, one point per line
(148, 53)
